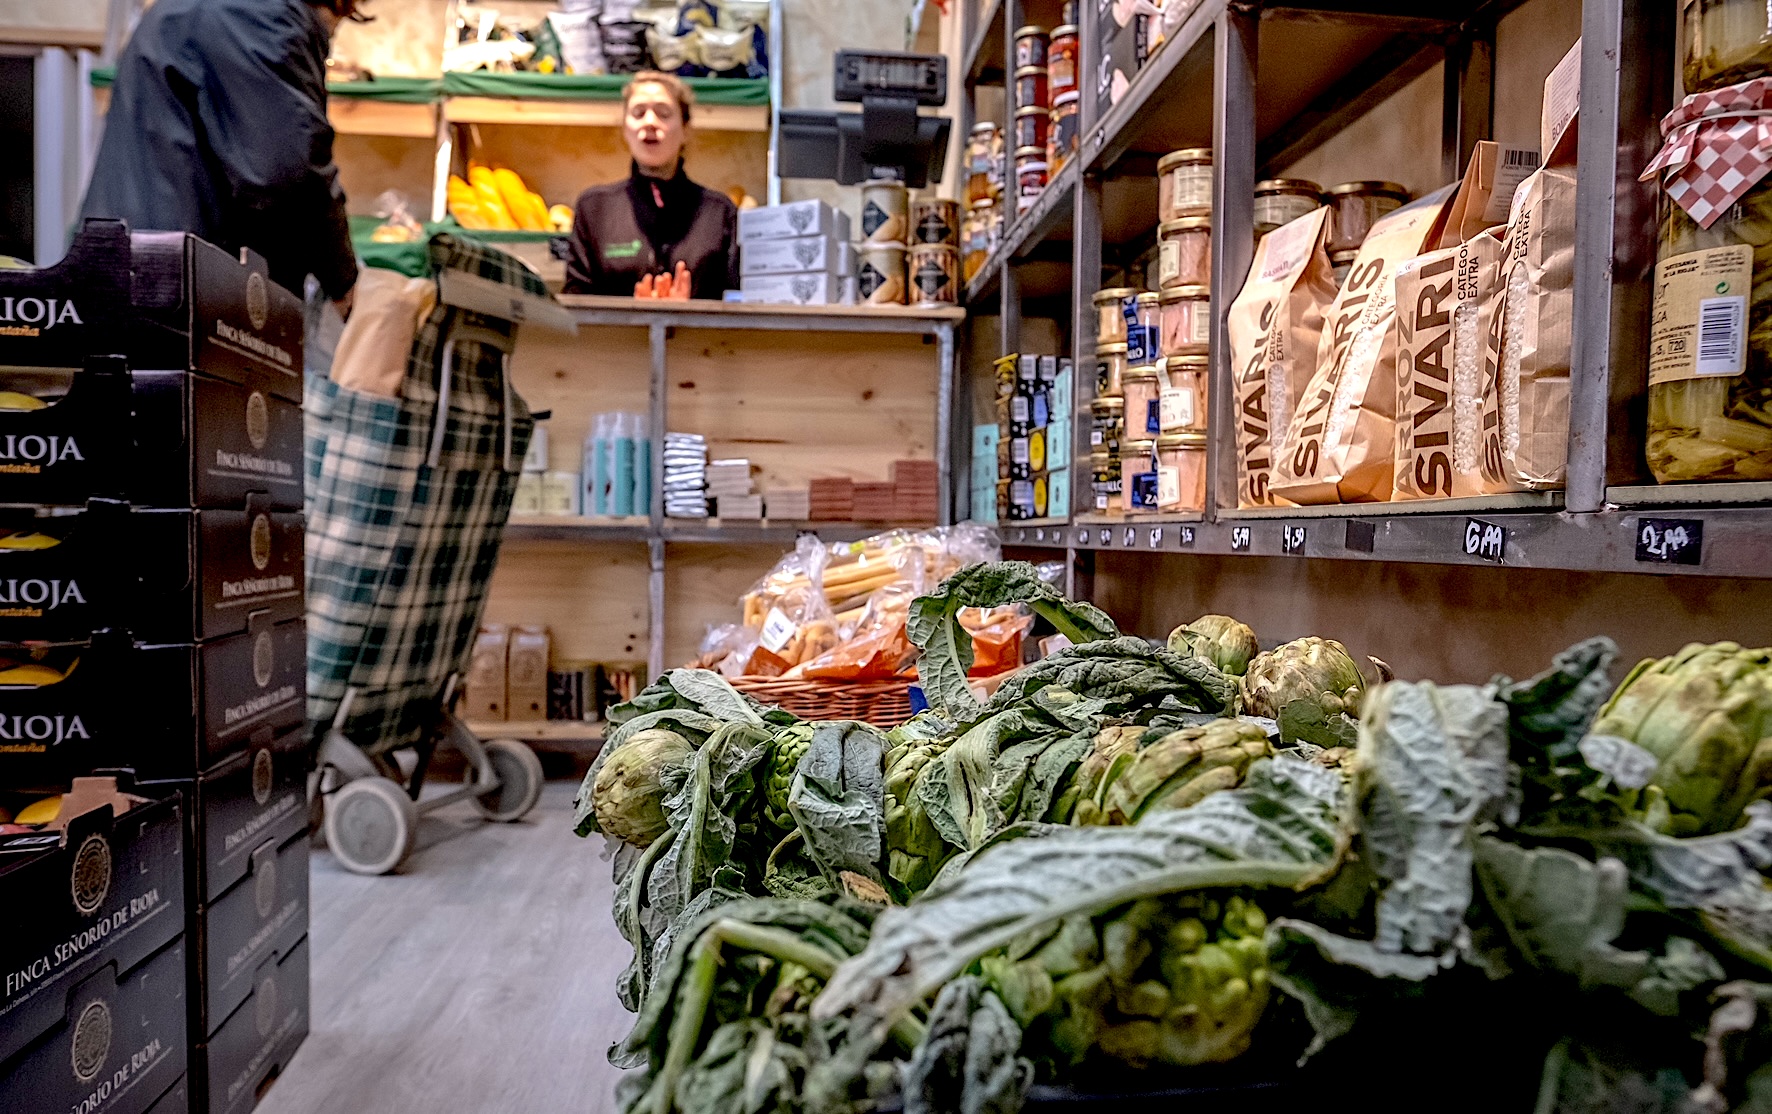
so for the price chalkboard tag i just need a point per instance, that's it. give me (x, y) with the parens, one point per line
(1239, 539)
(1129, 538)
(1361, 536)
(1184, 536)
(1039, 535)
(1105, 537)
(1670, 541)
(1083, 536)
(1155, 538)
(1292, 539)
(1485, 541)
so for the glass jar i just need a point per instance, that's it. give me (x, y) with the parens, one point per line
(1030, 177)
(1110, 369)
(1186, 326)
(1358, 205)
(1707, 424)
(1104, 482)
(1031, 88)
(1184, 184)
(1061, 142)
(1107, 424)
(1280, 201)
(1184, 252)
(1340, 263)
(984, 164)
(1030, 47)
(1114, 310)
(1141, 332)
(1031, 126)
(1724, 42)
(1143, 393)
(1061, 61)
(1137, 458)
(1184, 399)
(1181, 471)
(975, 240)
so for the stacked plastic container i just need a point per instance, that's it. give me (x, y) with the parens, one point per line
(152, 672)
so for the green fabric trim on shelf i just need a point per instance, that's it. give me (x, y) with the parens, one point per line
(391, 90)
(595, 87)
(413, 259)
(103, 77)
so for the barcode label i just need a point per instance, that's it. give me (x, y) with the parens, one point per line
(1720, 335)
(1519, 156)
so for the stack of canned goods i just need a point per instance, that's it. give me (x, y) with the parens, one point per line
(880, 257)
(935, 252)
(1147, 436)
(1033, 114)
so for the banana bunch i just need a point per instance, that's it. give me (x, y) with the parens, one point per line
(498, 200)
(1178, 980)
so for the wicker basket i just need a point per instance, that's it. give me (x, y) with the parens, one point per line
(885, 704)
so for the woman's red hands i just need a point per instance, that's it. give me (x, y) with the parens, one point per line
(672, 287)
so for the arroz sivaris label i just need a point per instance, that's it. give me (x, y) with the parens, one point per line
(1698, 326)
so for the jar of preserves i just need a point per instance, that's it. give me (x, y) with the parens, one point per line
(1184, 184)
(1031, 88)
(1724, 42)
(1030, 47)
(1184, 252)
(1110, 369)
(1181, 471)
(984, 163)
(933, 274)
(1061, 61)
(1031, 126)
(1061, 142)
(1280, 201)
(1184, 395)
(1710, 336)
(1030, 177)
(975, 237)
(1142, 340)
(1107, 424)
(1340, 263)
(1138, 476)
(1104, 482)
(1143, 398)
(1358, 205)
(1114, 310)
(1186, 325)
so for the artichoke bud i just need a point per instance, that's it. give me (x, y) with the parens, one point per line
(1135, 1042)
(1219, 639)
(1305, 669)
(1187, 935)
(1184, 767)
(1124, 949)
(628, 795)
(1145, 999)
(790, 745)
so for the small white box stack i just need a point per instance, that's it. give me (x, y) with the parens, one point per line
(798, 253)
(729, 485)
(685, 475)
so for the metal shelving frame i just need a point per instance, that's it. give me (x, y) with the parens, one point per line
(1598, 521)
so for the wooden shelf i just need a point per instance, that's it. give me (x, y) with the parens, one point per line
(539, 731)
(383, 118)
(591, 309)
(592, 114)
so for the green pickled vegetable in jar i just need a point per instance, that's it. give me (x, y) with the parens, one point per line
(1724, 42)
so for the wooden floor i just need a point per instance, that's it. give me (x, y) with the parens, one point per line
(480, 980)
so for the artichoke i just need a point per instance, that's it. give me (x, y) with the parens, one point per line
(1082, 802)
(1218, 639)
(1706, 716)
(1184, 767)
(628, 795)
(1315, 669)
(791, 744)
(914, 849)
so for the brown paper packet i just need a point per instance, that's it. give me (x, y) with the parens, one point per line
(1341, 444)
(385, 315)
(1275, 326)
(1426, 299)
(1475, 355)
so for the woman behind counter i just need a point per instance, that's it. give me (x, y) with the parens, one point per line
(657, 234)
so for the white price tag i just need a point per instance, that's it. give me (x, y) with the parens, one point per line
(1168, 487)
(1176, 408)
(777, 629)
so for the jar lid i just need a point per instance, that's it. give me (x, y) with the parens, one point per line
(1197, 360)
(1030, 71)
(1031, 110)
(1108, 403)
(983, 205)
(1142, 447)
(1030, 29)
(1113, 294)
(1383, 189)
(1101, 460)
(929, 249)
(1140, 374)
(984, 127)
(1066, 99)
(1288, 185)
(1184, 293)
(1186, 154)
(1187, 439)
(1150, 297)
(1110, 349)
(1184, 224)
(1064, 29)
(884, 245)
(1347, 256)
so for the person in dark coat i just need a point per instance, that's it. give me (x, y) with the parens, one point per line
(657, 234)
(218, 127)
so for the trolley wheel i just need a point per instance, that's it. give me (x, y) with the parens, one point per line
(519, 776)
(370, 825)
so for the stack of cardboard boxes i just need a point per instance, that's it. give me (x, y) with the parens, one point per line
(512, 677)
(798, 253)
(154, 932)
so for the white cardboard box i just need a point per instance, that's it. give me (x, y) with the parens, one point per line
(796, 218)
(813, 289)
(796, 256)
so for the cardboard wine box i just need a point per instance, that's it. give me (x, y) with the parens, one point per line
(238, 1063)
(527, 674)
(163, 575)
(484, 697)
(166, 301)
(176, 1100)
(116, 1045)
(164, 712)
(105, 890)
(263, 914)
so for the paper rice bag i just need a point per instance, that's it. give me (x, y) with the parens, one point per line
(1340, 446)
(1275, 326)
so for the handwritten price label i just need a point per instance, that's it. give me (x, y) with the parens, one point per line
(1485, 541)
(1129, 538)
(1239, 539)
(1292, 539)
(1670, 541)
(1155, 538)
(1184, 536)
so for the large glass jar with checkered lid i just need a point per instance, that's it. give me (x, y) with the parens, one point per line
(1724, 42)
(1710, 330)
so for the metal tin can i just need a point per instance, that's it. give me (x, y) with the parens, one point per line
(884, 213)
(1280, 201)
(1031, 127)
(1061, 61)
(935, 221)
(1358, 206)
(1184, 184)
(1031, 87)
(1061, 143)
(881, 274)
(935, 270)
(1184, 252)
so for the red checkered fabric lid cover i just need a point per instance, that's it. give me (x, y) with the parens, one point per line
(1719, 144)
